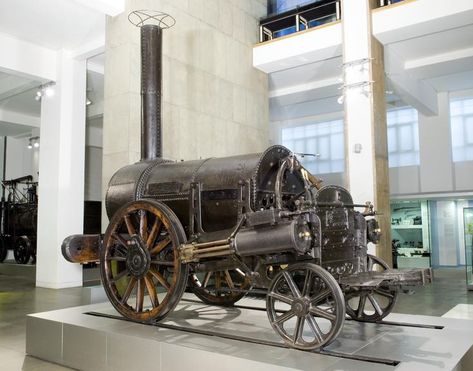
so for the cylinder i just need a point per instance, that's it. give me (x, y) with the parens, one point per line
(151, 91)
(291, 236)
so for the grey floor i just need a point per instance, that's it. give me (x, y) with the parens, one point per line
(18, 297)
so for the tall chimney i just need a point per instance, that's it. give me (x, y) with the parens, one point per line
(151, 84)
(152, 24)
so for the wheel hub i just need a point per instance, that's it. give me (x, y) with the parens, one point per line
(138, 259)
(301, 307)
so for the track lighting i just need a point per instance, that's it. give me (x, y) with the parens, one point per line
(45, 90)
(33, 142)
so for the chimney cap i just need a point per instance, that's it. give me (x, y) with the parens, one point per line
(141, 18)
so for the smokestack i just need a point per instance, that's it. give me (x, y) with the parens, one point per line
(151, 85)
(152, 24)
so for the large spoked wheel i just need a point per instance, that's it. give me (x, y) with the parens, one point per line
(22, 250)
(371, 305)
(305, 305)
(140, 266)
(220, 287)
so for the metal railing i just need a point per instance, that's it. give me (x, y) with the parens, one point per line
(388, 2)
(299, 19)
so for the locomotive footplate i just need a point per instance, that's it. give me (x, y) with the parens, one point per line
(390, 277)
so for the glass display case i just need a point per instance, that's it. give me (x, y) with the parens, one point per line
(410, 234)
(468, 232)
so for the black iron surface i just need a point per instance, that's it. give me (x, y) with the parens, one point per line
(151, 92)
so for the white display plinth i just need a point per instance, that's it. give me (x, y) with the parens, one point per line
(72, 338)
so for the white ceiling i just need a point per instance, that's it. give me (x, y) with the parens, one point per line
(449, 76)
(54, 24)
(435, 43)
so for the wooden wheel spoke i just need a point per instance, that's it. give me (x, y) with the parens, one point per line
(315, 328)
(218, 283)
(229, 280)
(120, 275)
(129, 225)
(292, 285)
(361, 304)
(320, 297)
(160, 278)
(155, 229)
(299, 329)
(206, 279)
(375, 304)
(280, 297)
(120, 240)
(153, 296)
(323, 314)
(284, 317)
(160, 246)
(144, 225)
(384, 293)
(128, 290)
(140, 295)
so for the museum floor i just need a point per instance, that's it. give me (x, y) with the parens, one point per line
(18, 297)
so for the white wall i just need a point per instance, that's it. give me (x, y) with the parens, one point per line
(275, 138)
(436, 173)
(20, 159)
(93, 160)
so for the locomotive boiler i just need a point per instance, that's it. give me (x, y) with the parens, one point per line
(223, 226)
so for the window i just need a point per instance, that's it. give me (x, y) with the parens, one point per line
(403, 137)
(281, 6)
(325, 139)
(461, 123)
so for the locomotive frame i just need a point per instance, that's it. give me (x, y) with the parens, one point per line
(224, 226)
(18, 220)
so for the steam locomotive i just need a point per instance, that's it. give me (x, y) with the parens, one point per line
(226, 225)
(18, 220)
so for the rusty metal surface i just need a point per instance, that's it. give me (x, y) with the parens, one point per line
(81, 248)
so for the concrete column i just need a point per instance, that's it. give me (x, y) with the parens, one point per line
(61, 174)
(365, 116)
(215, 103)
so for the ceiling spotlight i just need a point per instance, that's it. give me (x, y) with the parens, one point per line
(45, 90)
(88, 102)
(33, 142)
(340, 99)
(49, 91)
(389, 92)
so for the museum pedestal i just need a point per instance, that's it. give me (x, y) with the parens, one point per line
(76, 338)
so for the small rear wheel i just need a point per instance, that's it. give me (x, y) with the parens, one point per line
(305, 305)
(220, 287)
(22, 250)
(371, 305)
